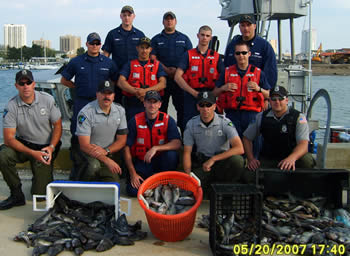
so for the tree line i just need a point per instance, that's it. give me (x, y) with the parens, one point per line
(13, 53)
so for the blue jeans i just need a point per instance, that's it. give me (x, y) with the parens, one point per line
(166, 161)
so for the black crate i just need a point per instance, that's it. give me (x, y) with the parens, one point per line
(244, 200)
(307, 183)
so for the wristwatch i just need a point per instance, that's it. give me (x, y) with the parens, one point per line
(108, 151)
(260, 89)
(53, 147)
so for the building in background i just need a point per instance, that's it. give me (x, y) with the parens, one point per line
(15, 35)
(69, 43)
(273, 43)
(43, 43)
(305, 41)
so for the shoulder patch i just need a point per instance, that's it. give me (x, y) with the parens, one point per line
(81, 119)
(230, 124)
(5, 112)
(302, 120)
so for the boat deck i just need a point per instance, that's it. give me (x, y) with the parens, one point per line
(17, 219)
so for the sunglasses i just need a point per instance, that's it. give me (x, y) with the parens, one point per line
(277, 98)
(96, 43)
(23, 83)
(242, 52)
(205, 104)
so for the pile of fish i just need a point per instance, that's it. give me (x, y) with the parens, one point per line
(78, 227)
(169, 199)
(284, 221)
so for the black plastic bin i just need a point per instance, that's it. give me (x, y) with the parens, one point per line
(307, 183)
(244, 200)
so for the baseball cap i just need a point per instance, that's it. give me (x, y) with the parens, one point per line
(127, 8)
(206, 96)
(169, 14)
(105, 86)
(145, 40)
(247, 18)
(153, 95)
(279, 90)
(92, 37)
(24, 74)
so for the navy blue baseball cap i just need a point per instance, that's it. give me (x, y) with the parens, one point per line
(24, 74)
(92, 37)
(105, 86)
(153, 95)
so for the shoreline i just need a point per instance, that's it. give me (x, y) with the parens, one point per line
(330, 69)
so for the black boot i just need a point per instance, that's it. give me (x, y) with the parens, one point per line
(15, 199)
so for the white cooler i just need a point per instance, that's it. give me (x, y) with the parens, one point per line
(85, 192)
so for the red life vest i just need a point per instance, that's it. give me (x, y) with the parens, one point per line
(143, 76)
(145, 139)
(202, 71)
(242, 99)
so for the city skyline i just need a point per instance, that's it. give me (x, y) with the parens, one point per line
(59, 18)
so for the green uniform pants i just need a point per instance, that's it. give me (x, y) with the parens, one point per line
(42, 173)
(97, 170)
(228, 170)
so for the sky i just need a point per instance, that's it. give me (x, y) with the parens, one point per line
(54, 18)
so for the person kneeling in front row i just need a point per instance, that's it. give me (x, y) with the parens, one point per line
(152, 143)
(285, 133)
(212, 134)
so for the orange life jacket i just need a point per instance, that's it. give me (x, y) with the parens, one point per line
(143, 76)
(146, 139)
(202, 71)
(242, 99)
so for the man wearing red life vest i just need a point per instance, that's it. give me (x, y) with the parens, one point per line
(201, 67)
(152, 143)
(241, 89)
(139, 76)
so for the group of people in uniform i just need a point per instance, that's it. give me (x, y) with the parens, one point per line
(232, 117)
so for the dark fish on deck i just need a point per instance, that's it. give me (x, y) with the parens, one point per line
(104, 245)
(78, 251)
(40, 250)
(55, 250)
(121, 225)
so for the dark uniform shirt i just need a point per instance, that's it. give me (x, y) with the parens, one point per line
(122, 44)
(172, 133)
(88, 72)
(263, 57)
(169, 48)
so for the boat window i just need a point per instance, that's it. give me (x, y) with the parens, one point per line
(69, 100)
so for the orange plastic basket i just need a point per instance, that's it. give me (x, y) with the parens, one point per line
(171, 228)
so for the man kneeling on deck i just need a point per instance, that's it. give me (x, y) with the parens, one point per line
(32, 128)
(102, 132)
(285, 133)
(152, 144)
(212, 134)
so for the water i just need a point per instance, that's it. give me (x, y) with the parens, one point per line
(337, 86)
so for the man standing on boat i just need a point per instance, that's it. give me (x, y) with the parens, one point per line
(168, 47)
(242, 89)
(88, 70)
(262, 53)
(212, 147)
(121, 42)
(32, 128)
(139, 76)
(102, 131)
(152, 144)
(201, 68)
(285, 133)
